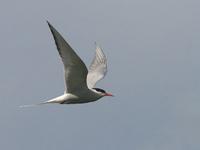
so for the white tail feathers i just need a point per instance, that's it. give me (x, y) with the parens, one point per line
(55, 100)
(58, 100)
(34, 105)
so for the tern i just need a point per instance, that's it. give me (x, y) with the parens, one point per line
(79, 81)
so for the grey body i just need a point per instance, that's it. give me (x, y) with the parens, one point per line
(85, 96)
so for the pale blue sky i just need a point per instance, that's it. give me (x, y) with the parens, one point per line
(153, 50)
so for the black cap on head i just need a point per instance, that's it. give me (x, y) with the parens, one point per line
(99, 90)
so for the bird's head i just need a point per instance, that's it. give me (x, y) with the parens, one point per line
(101, 92)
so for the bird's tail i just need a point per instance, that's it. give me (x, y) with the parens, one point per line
(34, 105)
(55, 100)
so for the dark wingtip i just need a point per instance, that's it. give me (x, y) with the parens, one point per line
(48, 23)
(50, 27)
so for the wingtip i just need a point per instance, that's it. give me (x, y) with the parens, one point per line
(49, 24)
(97, 45)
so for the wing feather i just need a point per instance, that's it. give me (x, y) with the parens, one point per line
(75, 69)
(98, 68)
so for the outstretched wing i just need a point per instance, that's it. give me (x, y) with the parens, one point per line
(97, 69)
(75, 69)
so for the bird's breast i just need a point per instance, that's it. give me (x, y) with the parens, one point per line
(81, 97)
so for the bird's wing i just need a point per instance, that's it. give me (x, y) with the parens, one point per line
(75, 69)
(98, 68)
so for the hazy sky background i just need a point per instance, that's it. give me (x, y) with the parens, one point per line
(153, 50)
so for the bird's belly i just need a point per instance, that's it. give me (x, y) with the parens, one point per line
(77, 102)
(80, 99)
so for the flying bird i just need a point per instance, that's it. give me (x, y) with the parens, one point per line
(79, 81)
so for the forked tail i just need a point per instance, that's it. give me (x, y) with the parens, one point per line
(39, 104)
(34, 105)
(57, 100)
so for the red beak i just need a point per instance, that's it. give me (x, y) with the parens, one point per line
(108, 94)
